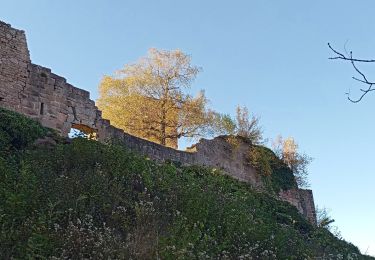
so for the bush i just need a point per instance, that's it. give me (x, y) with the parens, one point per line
(17, 132)
(88, 200)
(276, 174)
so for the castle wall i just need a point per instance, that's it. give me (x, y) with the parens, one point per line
(219, 153)
(38, 93)
(216, 153)
(14, 60)
(55, 103)
(303, 200)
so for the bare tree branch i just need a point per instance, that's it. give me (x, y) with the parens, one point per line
(364, 80)
(343, 57)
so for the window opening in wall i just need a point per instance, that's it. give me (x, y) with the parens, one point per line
(44, 79)
(41, 108)
(82, 131)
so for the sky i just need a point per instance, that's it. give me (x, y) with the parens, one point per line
(268, 55)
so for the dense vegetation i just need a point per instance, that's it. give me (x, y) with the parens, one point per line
(81, 199)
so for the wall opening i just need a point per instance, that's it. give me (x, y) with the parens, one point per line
(44, 78)
(82, 131)
(41, 108)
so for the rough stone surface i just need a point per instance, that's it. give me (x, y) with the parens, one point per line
(36, 92)
(303, 200)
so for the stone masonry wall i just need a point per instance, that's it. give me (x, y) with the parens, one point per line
(36, 92)
(14, 60)
(303, 200)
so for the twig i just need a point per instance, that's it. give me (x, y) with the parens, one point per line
(364, 79)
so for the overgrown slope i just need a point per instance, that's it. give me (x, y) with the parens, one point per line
(82, 199)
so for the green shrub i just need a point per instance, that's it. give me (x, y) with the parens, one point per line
(88, 200)
(275, 173)
(17, 132)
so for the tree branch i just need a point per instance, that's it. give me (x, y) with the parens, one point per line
(364, 79)
(343, 57)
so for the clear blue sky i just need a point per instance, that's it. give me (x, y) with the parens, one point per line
(269, 55)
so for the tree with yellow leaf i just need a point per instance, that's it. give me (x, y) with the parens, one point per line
(287, 150)
(147, 99)
(245, 124)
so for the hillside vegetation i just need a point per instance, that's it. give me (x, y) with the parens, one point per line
(82, 199)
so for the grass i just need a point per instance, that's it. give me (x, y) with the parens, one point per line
(88, 200)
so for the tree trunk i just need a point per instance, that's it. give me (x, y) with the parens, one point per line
(163, 129)
(163, 123)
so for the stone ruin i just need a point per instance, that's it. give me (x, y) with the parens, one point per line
(38, 93)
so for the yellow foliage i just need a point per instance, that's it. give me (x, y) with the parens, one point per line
(146, 98)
